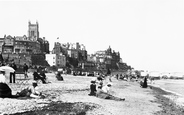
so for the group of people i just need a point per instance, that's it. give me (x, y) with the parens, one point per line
(29, 91)
(101, 90)
(6, 92)
(12, 74)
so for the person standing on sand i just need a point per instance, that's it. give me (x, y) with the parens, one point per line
(12, 74)
(105, 93)
(144, 84)
(108, 74)
(25, 69)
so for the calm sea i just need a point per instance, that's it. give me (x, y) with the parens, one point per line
(174, 86)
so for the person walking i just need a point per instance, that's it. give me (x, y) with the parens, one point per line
(25, 69)
(12, 74)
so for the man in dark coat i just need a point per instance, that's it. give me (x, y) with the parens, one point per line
(12, 74)
(25, 69)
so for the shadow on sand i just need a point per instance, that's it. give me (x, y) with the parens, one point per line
(61, 108)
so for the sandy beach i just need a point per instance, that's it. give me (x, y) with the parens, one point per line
(70, 97)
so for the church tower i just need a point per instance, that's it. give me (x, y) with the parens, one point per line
(33, 31)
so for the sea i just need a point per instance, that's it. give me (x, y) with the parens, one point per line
(175, 86)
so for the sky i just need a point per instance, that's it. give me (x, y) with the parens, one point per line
(148, 34)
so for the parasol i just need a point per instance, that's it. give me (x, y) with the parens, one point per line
(7, 69)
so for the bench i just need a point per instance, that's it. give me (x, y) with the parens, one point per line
(20, 78)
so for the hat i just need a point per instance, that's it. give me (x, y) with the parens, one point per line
(93, 81)
(35, 83)
(109, 84)
(99, 78)
(2, 70)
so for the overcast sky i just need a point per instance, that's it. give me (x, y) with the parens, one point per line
(147, 33)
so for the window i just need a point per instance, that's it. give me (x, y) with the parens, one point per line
(32, 33)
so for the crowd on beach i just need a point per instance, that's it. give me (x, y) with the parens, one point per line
(100, 85)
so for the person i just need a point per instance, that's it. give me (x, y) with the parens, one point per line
(105, 93)
(144, 84)
(12, 74)
(58, 76)
(117, 76)
(25, 69)
(42, 74)
(100, 82)
(30, 91)
(108, 71)
(107, 87)
(93, 88)
(5, 90)
(36, 77)
(109, 74)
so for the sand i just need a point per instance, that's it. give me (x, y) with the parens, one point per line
(71, 97)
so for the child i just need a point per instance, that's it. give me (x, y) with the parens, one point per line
(93, 88)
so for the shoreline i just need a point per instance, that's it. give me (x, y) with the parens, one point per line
(176, 97)
(167, 101)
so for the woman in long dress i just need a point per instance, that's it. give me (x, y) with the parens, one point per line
(5, 90)
(105, 94)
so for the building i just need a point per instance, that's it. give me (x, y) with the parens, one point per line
(8, 46)
(51, 59)
(44, 45)
(33, 31)
(57, 48)
(1, 44)
(72, 50)
(58, 60)
(105, 59)
(73, 53)
(24, 45)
